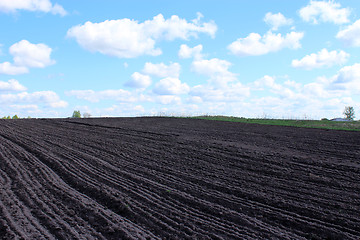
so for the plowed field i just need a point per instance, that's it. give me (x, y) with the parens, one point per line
(168, 178)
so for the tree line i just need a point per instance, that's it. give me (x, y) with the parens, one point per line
(13, 117)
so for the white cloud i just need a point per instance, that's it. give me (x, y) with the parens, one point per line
(277, 20)
(31, 5)
(195, 99)
(348, 79)
(222, 85)
(268, 82)
(324, 11)
(162, 70)
(323, 58)
(350, 35)
(210, 67)
(27, 55)
(187, 52)
(292, 84)
(255, 45)
(29, 107)
(10, 69)
(301, 101)
(116, 110)
(216, 69)
(168, 99)
(95, 96)
(343, 84)
(125, 38)
(170, 86)
(11, 85)
(139, 80)
(228, 93)
(48, 98)
(316, 89)
(139, 108)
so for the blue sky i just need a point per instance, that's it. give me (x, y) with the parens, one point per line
(280, 59)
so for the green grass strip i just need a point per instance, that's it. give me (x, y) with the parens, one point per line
(324, 124)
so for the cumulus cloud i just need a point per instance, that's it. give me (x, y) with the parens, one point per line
(11, 6)
(10, 69)
(324, 11)
(168, 99)
(268, 82)
(28, 107)
(95, 96)
(27, 55)
(350, 35)
(277, 20)
(347, 79)
(162, 70)
(316, 90)
(195, 99)
(48, 98)
(290, 99)
(346, 82)
(293, 84)
(222, 85)
(188, 52)
(255, 44)
(170, 86)
(139, 80)
(229, 93)
(139, 108)
(323, 58)
(216, 69)
(11, 85)
(125, 38)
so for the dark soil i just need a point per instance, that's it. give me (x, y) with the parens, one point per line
(168, 178)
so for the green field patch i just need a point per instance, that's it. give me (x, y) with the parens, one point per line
(324, 124)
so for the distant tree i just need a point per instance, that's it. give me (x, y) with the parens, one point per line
(76, 114)
(86, 115)
(349, 113)
(8, 117)
(15, 117)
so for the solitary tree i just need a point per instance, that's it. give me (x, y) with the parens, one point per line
(76, 114)
(15, 117)
(349, 112)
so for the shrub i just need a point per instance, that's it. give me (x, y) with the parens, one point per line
(76, 114)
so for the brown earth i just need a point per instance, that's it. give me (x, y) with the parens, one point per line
(168, 178)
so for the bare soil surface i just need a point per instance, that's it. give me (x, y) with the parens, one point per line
(168, 178)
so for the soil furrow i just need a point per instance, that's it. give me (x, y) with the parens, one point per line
(168, 178)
